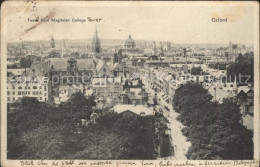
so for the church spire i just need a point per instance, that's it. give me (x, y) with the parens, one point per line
(96, 45)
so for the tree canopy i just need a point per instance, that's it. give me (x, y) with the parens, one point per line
(38, 130)
(26, 62)
(196, 71)
(243, 65)
(213, 129)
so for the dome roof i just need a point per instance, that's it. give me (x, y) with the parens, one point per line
(129, 43)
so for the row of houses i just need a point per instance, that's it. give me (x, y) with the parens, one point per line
(18, 87)
(165, 81)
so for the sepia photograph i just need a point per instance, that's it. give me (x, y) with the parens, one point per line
(129, 81)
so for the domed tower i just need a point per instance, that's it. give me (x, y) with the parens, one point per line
(129, 43)
(96, 44)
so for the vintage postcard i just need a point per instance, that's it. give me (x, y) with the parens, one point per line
(129, 83)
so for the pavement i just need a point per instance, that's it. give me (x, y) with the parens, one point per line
(179, 141)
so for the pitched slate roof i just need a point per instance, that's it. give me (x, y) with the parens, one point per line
(61, 64)
(100, 64)
(121, 108)
(58, 64)
(220, 93)
(40, 68)
(85, 64)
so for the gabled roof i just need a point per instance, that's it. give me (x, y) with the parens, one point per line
(115, 65)
(220, 93)
(241, 93)
(244, 88)
(40, 67)
(58, 64)
(99, 66)
(250, 91)
(85, 64)
(121, 108)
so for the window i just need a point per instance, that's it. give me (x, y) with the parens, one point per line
(45, 88)
(8, 98)
(40, 98)
(8, 93)
(20, 87)
(19, 93)
(34, 87)
(13, 98)
(40, 87)
(13, 92)
(45, 94)
(13, 87)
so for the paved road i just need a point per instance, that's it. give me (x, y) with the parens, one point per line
(178, 141)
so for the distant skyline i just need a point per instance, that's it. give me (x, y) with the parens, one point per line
(178, 24)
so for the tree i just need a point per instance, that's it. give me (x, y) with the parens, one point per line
(38, 145)
(185, 94)
(38, 130)
(78, 107)
(213, 129)
(243, 65)
(196, 71)
(28, 115)
(139, 134)
(26, 62)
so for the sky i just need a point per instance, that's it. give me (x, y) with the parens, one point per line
(175, 23)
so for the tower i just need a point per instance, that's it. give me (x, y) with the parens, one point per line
(52, 42)
(115, 58)
(154, 48)
(96, 45)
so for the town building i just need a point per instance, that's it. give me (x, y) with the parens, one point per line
(134, 92)
(65, 69)
(19, 87)
(108, 88)
(65, 92)
(133, 110)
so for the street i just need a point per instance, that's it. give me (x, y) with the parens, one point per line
(178, 140)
